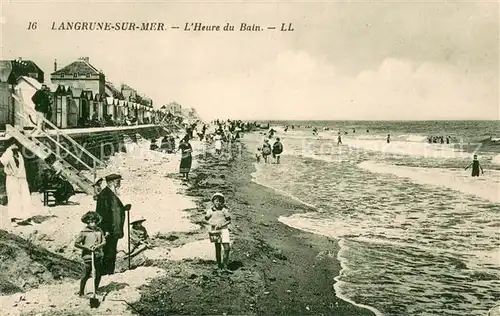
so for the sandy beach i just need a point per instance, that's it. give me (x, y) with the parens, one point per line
(276, 269)
(160, 200)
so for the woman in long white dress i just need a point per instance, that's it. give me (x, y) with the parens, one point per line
(19, 205)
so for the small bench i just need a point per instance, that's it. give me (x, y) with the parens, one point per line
(48, 197)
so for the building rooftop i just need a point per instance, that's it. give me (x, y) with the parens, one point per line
(81, 66)
(11, 70)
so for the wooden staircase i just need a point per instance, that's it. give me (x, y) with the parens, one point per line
(168, 127)
(54, 158)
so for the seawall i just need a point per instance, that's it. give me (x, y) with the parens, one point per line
(102, 142)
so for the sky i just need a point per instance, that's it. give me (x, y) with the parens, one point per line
(389, 60)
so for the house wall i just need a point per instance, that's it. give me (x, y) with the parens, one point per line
(6, 105)
(24, 91)
(102, 143)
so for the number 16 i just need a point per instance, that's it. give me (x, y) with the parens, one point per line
(32, 26)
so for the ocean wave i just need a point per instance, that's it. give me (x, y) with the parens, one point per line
(414, 241)
(254, 175)
(496, 160)
(486, 187)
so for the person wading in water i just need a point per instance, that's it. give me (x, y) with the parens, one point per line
(112, 211)
(475, 167)
(277, 150)
(266, 150)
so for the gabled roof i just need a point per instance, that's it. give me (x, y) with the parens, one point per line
(78, 67)
(112, 91)
(127, 87)
(11, 70)
(31, 81)
(27, 65)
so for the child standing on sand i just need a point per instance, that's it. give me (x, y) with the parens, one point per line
(475, 167)
(219, 219)
(91, 241)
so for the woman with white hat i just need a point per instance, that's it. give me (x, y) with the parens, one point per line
(219, 219)
(18, 193)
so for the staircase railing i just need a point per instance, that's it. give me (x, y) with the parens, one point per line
(96, 162)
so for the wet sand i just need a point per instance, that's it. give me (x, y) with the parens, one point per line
(277, 270)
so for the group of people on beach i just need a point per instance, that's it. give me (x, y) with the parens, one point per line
(104, 228)
(438, 139)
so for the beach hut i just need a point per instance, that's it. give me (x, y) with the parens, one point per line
(110, 103)
(60, 115)
(100, 105)
(88, 97)
(73, 109)
(77, 99)
(124, 108)
(119, 111)
(140, 113)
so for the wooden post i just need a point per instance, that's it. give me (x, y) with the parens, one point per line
(128, 237)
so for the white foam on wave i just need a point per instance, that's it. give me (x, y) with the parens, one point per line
(288, 221)
(261, 168)
(416, 138)
(299, 222)
(486, 187)
(338, 283)
(418, 149)
(496, 159)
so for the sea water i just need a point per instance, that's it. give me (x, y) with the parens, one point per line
(417, 234)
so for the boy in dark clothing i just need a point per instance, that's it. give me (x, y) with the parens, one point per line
(42, 103)
(91, 241)
(475, 167)
(277, 150)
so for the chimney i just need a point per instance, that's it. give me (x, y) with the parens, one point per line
(85, 59)
(20, 59)
(55, 64)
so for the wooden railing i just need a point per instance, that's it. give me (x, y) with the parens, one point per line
(96, 162)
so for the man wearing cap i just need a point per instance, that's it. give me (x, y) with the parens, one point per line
(42, 103)
(112, 211)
